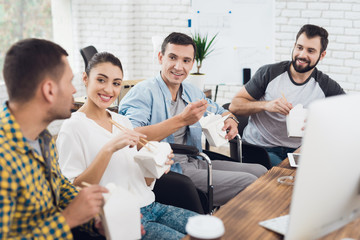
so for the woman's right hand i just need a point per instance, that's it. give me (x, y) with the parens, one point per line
(125, 138)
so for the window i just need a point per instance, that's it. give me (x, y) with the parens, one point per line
(21, 19)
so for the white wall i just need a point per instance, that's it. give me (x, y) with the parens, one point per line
(341, 18)
(62, 26)
(3, 93)
(238, 40)
(125, 28)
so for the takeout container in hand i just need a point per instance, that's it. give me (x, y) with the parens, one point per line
(152, 157)
(121, 214)
(212, 127)
(295, 121)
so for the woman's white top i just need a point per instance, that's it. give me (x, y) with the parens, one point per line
(80, 140)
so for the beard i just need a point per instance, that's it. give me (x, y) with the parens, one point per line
(305, 69)
(58, 114)
(62, 110)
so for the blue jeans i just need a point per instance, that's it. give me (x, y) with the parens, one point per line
(277, 154)
(164, 221)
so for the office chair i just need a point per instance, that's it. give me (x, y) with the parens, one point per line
(87, 53)
(178, 190)
(249, 153)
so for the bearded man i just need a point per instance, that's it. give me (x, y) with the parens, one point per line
(276, 88)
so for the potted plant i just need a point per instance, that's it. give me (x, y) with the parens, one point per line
(203, 48)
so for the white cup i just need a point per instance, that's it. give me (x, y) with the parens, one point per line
(205, 227)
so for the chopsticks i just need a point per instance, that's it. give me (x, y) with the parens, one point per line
(83, 183)
(86, 184)
(283, 96)
(142, 141)
(209, 105)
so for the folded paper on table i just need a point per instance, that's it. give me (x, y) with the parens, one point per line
(121, 217)
(295, 121)
(152, 162)
(212, 127)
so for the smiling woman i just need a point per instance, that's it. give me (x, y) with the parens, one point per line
(91, 149)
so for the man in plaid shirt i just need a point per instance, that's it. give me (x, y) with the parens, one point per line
(36, 200)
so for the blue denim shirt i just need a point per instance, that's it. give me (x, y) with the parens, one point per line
(149, 101)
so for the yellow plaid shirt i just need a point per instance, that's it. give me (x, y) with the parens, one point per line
(30, 205)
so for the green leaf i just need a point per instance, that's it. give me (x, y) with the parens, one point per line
(203, 48)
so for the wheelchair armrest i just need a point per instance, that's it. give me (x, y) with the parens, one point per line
(184, 149)
(191, 150)
(218, 156)
(236, 148)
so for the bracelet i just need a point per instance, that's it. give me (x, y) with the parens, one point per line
(234, 118)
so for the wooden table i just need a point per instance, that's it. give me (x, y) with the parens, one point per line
(285, 164)
(265, 199)
(262, 200)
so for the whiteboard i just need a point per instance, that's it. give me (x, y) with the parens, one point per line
(245, 36)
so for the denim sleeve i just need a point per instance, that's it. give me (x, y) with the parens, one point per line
(214, 107)
(137, 106)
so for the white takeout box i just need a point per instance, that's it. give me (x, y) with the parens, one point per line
(212, 127)
(295, 121)
(121, 217)
(152, 163)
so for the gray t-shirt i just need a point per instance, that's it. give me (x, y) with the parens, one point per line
(36, 145)
(268, 129)
(176, 108)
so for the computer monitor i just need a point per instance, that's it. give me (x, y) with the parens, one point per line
(327, 183)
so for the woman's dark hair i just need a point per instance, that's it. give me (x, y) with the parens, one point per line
(314, 31)
(27, 63)
(103, 57)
